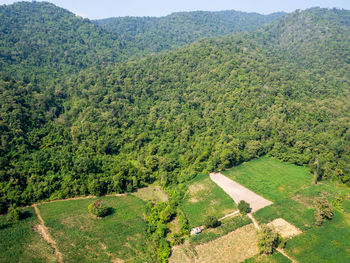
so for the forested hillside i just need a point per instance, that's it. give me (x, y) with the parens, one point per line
(282, 91)
(40, 40)
(152, 34)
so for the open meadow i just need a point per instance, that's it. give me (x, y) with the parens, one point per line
(20, 243)
(81, 237)
(291, 189)
(204, 198)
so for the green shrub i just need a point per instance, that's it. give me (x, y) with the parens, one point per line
(14, 214)
(268, 240)
(183, 223)
(243, 207)
(323, 211)
(163, 251)
(211, 221)
(99, 209)
(176, 239)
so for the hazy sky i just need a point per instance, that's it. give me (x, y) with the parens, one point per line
(109, 8)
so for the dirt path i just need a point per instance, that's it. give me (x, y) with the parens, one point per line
(238, 192)
(284, 254)
(43, 231)
(256, 224)
(229, 215)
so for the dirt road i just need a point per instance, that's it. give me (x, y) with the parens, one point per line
(238, 192)
(43, 231)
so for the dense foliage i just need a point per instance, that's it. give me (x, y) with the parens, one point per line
(268, 240)
(151, 34)
(323, 211)
(211, 222)
(39, 41)
(281, 91)
(99, 209)
(243, 207)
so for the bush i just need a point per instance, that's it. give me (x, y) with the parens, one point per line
(163, 251)
(211, 221)
(14, 214)
(243, 207)
(268, 240)
(99, 209)
(323, 211)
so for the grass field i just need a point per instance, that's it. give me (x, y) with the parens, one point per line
(346, 206)
(151, 193)
(328, 243)
(270, 178)
(20, 243)
(81, 237)
(293, 194)
(204, 198)
(276, 257)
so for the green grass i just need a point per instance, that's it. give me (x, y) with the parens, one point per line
(82, 237)
(346, 206)
(151, 193)
(328, 243)
(20, 243)
(204, 198)
(270, 178)
(291, 189)
(276, 257)
(227, 225)
(290, 210)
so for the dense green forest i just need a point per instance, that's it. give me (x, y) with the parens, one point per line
(282, 90)
(39, 41)
(153, 34)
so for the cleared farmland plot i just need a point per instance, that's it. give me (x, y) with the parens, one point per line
(290, 188)
(270, 178)
(236, 246)
(205, 198)
(81, 237)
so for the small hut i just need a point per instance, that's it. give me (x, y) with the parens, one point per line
(196, 230)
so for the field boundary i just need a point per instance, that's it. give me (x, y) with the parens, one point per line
(43, 231)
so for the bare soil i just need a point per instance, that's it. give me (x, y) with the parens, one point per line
(286, 229)
(238, 192)
(233, 247)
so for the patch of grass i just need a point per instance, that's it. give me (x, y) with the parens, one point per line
(205, 198)
(346, 206)
(276, 257)
(328, 243)
(290, 210)
(270, 178)
(227, 225)
(151, 193)
(20, 243)
(81, 237)
(290, 188)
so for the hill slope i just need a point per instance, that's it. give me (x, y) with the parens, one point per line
(40, 38)
(210, 105)
(152, 34)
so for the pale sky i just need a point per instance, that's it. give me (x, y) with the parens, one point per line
(95, 9)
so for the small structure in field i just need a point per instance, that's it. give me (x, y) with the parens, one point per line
(196, 230)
